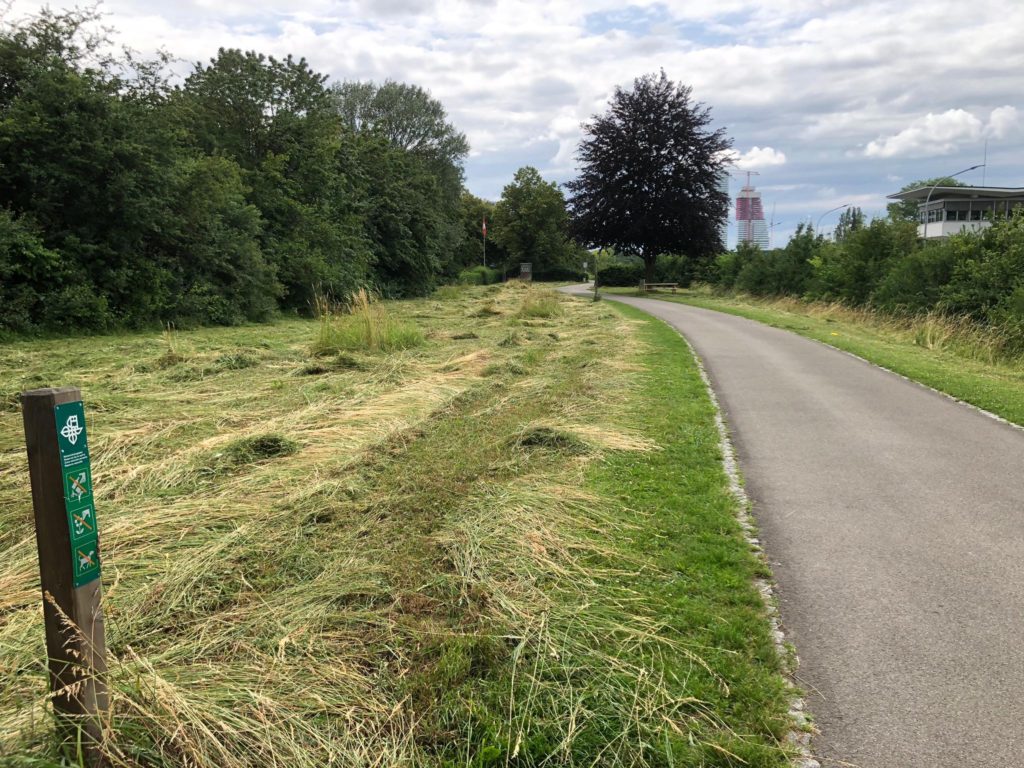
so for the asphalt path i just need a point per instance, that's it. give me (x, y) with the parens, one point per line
(893, 520)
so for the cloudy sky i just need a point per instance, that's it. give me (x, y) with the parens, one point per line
(830, 102)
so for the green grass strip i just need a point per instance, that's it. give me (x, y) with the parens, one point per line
(691, 531)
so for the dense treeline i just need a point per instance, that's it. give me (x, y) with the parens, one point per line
(883, 264)
(251, 186)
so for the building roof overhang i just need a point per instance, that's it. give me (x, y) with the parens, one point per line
(965, 193)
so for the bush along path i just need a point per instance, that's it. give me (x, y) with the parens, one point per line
(484, 528)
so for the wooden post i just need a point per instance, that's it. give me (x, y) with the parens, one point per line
(67, 539)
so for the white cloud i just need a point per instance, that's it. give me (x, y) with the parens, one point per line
(945, 133)
(1002, 122)
(930, 135)
(756, 157)
(849, 81)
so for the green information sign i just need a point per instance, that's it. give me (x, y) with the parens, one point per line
(74, 460)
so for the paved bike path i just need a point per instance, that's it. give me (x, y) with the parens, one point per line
(893, 519)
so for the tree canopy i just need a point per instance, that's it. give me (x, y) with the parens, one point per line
(906, 210)
(406, 115)
(648, 176)
(127, 199)
(531, 223)
(850, 220)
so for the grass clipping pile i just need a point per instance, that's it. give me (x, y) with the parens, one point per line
(356, 557)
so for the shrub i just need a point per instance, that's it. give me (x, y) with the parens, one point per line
(680, 269)
(28, 270)
(853, 270)
(560, 274)
(755, 275)
(727, 269)
(1008, 317)
(990, 269)
(916, 280)
(479, 275)
(620, 275)
(76, 307)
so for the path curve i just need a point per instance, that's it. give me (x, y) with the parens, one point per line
(893, 519)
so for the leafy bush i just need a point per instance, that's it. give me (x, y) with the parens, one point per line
(557, 274)
(681, 269)
(755, 275)
(915, 281)
(727, 268)
(779, 272)
(620, 275)
(76, 307)
(853, 270)
(28, 271)
(479, 275)
(990, 269)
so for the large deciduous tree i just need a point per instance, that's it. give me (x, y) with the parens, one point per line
(414, 170)
(406, 115)
(531, 223)
(277, 120)
(648, 177)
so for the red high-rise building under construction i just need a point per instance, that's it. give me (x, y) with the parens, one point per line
(750, 224)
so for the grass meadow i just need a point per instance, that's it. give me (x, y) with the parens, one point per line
(487, 528)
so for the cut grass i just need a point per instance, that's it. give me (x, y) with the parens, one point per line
(950, 355)
(407, 561)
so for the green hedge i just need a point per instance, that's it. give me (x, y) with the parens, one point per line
(560, 274)
(620, 275)
(479, 275)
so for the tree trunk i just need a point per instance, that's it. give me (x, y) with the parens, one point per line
(649, 262)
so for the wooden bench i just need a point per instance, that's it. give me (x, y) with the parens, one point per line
(645, 286)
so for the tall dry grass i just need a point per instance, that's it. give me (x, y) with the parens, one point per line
(960, 335)
(541, 302)
(362, 325)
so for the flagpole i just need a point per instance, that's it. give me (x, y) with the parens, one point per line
(485, 241)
